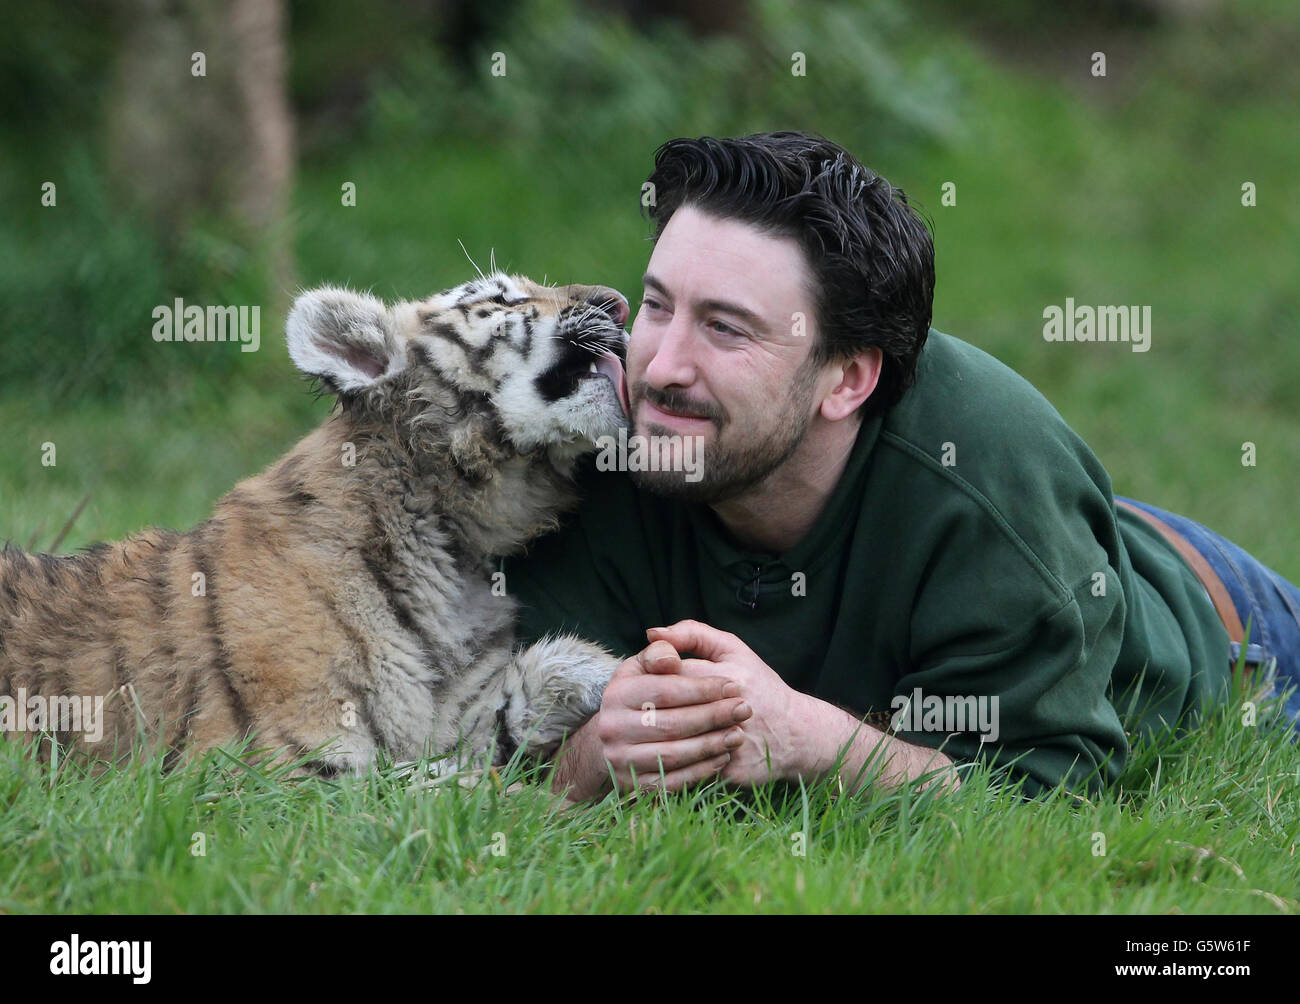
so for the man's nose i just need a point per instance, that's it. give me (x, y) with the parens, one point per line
(672, 365)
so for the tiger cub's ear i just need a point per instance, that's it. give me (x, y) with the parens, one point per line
(344, 338)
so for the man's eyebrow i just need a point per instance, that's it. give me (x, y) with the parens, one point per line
(655, 284)
(723, 306)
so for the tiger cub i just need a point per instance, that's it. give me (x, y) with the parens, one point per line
(345, 597)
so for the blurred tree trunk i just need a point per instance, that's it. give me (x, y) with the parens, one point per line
(258, 32)
(199, 122)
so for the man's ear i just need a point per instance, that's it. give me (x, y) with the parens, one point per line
(344, 338)
(857, 377)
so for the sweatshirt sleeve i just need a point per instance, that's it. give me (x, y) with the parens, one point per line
(994, 623)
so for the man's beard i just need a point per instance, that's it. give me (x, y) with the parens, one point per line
(729, 471)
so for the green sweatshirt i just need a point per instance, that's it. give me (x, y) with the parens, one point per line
(971, 549)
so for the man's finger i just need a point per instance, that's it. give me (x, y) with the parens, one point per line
(657, 657)
(699, 639)
(676, 780)
(650, 758)
(656, 725)
(672, 690)
(661, 658)
(700, 668)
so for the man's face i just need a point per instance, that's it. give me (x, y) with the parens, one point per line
(721, 349)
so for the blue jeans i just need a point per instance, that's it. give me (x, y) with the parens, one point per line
(1271, 603)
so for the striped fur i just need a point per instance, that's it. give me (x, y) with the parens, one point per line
(343, 598)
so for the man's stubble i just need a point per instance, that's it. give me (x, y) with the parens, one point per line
(731, 469)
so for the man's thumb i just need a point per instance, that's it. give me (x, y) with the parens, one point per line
(660, 657)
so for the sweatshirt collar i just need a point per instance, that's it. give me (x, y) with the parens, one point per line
(836, 520)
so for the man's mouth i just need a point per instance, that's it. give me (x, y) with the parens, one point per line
(660, 412)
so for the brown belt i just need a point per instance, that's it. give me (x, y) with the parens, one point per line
(1212, 583)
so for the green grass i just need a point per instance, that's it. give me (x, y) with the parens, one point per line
(1205, 824)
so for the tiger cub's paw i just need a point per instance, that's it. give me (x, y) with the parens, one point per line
(554, 686)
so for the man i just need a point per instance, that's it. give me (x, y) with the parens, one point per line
(895, 557)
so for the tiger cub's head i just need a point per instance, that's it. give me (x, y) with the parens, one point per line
(537, 368)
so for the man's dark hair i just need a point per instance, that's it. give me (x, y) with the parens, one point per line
(868, 248)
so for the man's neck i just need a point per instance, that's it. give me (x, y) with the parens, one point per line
(777, 513)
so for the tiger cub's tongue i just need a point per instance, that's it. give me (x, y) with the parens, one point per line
(611, 366)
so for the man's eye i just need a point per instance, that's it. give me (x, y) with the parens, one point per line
(651, 304)
(725, 329)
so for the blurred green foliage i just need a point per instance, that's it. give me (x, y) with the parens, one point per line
(582, 103)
